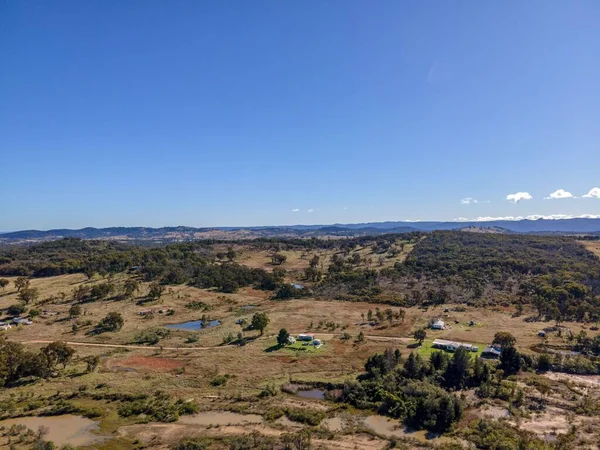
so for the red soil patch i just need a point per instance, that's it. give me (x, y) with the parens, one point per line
(149, 362)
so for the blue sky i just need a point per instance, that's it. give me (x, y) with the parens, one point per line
(209, 113)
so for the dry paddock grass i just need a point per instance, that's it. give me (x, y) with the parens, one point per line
(592, 246)
(187, 373)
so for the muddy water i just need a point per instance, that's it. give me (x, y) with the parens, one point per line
(67, 429)
(383, 425)
(312, 393)
(391, 427)
(220, 418)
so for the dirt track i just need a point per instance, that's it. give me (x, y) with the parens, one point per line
(145, 347)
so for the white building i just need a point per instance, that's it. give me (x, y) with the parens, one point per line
(438, 325)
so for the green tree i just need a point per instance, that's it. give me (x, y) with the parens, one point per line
(231, 254)
(28, 294)
(504, 339)
(3, 283)
(278, 259)
(130, 287)
(420, 335)
(21, 282)
(370, 316)
(58, 353)
(458, 371)
(283, 337)
(156, 290)
(81, 292)
(259, 322)
(92, 362)
(510, 360)
(389, 315)
(16, 310)
(74, 311)
(112, 322)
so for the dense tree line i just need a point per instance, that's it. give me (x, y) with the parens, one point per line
(16, 362)
(422, 393)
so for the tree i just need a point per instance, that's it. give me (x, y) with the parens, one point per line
(3, 283)
(16, 310)
(314, 262)
(283, 337)
(458, 370)
(259, 322)
(510, 360)
(58, 353)
(92, 362)
(370, 316)
(296, 441)
(112, 322)
(231, 254)
(389, 315)
(379, 315)
(102, 290)
(420, 335)
(130, 287)
(278, 259)
(401, 315)
(360, 338)
(504, 339)
(74, 311)
(81, 292)
(156, 290)
(21, 282)
(28, 294)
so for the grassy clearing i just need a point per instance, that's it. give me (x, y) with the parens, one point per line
(426, 349)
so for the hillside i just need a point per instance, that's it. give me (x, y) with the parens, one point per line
(183, 234)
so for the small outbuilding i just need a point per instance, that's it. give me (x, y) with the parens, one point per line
(491, 352)
(317, 343)
(541, 333)
(438, 325)
(306, 337)
(291, 340)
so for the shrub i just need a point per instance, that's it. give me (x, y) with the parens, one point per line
(16, 310)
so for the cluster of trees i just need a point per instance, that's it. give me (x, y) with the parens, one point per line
(190, 263)
(16, 362)
(586, 344)
(380, 316)
(422, 392)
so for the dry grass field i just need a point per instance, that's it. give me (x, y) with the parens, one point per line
(186, 364)
(592, 246)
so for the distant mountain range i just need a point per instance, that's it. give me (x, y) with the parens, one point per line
(177, 234)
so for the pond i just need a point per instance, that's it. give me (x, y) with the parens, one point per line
(215, 418)
(319, 394)
(193, 325)
(62, 430)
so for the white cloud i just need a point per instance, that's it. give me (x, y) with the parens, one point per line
(530, 217)
(295, 210)
(516, 198)
(594, 193)
(468, 200)
(310, 210)
(560, 193)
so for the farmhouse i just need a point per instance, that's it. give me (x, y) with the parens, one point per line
(438, 325)
(491, 352)
(451, 346)
(306, 337)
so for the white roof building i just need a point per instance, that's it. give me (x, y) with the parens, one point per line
(438, 325)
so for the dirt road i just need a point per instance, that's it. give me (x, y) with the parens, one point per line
(323, 336)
